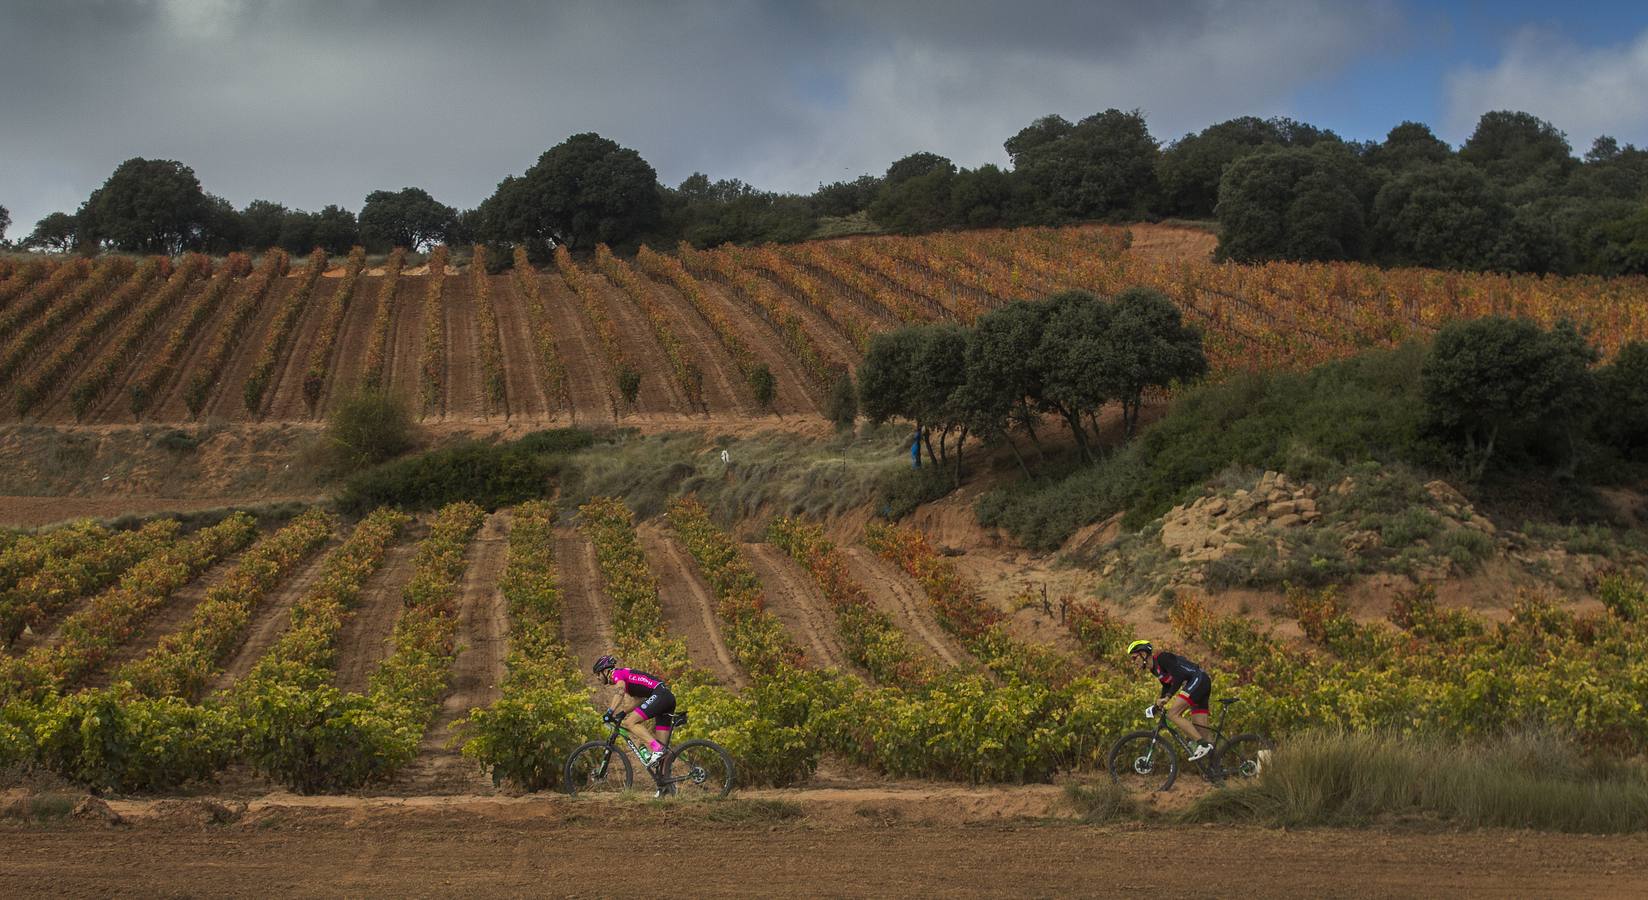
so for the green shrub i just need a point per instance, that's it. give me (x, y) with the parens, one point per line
(768, 746)
(629, 385)
(963, 728)
(486, 474)
(1418, 613)
(1496, 384)
(1467, 547)
(903, 490)
(1626, 598)
(526, 736)
(119, 742)
(764, 386)
(844, 402)
(1622, 419)
(367, 429)
(556, 441)
(1407, 527)
(178, 441)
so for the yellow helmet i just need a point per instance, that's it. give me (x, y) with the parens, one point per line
(1138, 645)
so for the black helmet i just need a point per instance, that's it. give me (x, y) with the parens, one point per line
(605, 664)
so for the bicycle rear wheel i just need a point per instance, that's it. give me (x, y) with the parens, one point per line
(698, 768)
(1143, 761)
(1242, 757)
(598, 768)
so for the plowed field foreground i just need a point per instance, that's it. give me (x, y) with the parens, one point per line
(824, 843)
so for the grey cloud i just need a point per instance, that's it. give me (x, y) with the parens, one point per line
(1585, 92)
(309, 102)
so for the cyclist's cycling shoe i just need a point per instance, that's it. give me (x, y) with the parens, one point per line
(1202, 749)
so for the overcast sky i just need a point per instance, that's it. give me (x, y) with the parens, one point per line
(309, 102)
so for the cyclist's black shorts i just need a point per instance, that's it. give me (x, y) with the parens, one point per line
(657, 707)
(1198, 690)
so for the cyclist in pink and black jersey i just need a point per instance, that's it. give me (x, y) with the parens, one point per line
(642, 704)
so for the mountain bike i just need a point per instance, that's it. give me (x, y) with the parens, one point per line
(694, 768)
(1149, 760)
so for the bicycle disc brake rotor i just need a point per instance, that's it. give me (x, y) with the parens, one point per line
(1143, 766)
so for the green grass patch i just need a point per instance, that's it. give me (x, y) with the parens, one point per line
(766, 474)
(1101, 802)
(43, 807)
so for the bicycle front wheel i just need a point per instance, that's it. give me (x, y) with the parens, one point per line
(697, 768)
(598, 768)
(1142, 761)
(1242, 757)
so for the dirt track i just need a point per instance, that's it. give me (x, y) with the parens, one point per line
(270, 619)
(897, 596)
(283, 399)
(228, 397)
(354, 337)
(463, 394)
(689, 606)
(724, 387)
(405, 345)
(586, 612)
(483, 624)
(172, 615)
(591, 383)
(795, 393)
(838, 846)
(364, 641)
(796, 600)
(659, 390)
(169, 403)
(524, 388)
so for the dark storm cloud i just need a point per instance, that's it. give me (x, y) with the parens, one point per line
(311, 102)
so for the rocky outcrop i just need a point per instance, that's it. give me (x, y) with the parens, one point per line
(1215, 526)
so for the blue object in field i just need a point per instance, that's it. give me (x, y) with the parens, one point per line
(915, 451)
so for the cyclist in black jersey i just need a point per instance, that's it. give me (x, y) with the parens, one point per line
(1186, 684)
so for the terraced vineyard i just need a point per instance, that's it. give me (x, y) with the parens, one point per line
(152, 340)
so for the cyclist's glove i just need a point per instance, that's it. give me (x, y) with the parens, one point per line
(612, 716)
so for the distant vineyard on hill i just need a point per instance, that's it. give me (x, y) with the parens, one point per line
(276, 339)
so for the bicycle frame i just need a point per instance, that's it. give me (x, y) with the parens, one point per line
(612, 744)
(1164, 725)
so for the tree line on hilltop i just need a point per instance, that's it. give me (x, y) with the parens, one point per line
(1513, 197)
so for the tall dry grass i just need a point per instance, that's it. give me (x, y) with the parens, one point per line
(1522, 780)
